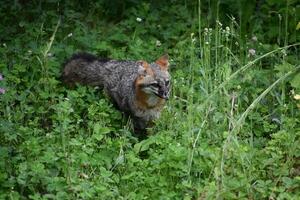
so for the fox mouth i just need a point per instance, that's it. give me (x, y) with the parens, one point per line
(162, 95)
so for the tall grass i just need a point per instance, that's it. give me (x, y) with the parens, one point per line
(214, 112)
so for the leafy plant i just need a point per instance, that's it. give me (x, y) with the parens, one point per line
(230, 130)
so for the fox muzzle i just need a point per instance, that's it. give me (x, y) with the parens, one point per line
(163, 94)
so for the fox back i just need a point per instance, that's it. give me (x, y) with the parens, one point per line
(137, 88)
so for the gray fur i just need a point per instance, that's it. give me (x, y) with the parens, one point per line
(117, 78)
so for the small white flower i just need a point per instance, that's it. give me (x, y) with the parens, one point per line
(158, 43)
(83, 175)
(227, 29)
(138, 19)
(283, 51)
(207, 43)
(297, 97)
(251, 52)
(276, 120)
(293, 92)
(70, 35)
(206, 29)
(254, 38)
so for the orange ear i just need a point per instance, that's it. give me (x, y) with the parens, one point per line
(163, 62)
(145, 68)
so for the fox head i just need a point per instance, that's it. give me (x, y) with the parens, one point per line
(154, 78)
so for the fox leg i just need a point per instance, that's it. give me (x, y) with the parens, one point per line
(140, 126)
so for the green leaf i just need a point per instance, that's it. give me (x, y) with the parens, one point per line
(298, 26)
(284, 67)
(100, 132)
(295, 82)
(143, 145)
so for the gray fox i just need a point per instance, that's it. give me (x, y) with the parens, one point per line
(137, 88)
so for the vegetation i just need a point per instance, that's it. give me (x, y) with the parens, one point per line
(231, 129)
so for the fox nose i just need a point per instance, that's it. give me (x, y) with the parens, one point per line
(163, 95)
(166, 95)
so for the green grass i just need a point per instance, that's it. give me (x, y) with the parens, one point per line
(231, 129)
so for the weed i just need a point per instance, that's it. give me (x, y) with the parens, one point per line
(229, 131)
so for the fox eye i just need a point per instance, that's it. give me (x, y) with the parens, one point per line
(155, 85)
(167, 83)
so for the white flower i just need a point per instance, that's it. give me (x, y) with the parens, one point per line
(138, 19)
(70, 35)
(251, 52)
(158, 43)
(254, 38)
(297, 97)
(283, 51)
(227, 29)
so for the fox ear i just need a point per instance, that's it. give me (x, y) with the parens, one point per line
(141, 70)
(144, 68)
(163, 62)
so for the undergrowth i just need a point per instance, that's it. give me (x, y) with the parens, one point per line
(231, 129)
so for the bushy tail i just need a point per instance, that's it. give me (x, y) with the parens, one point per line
(82, 68)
